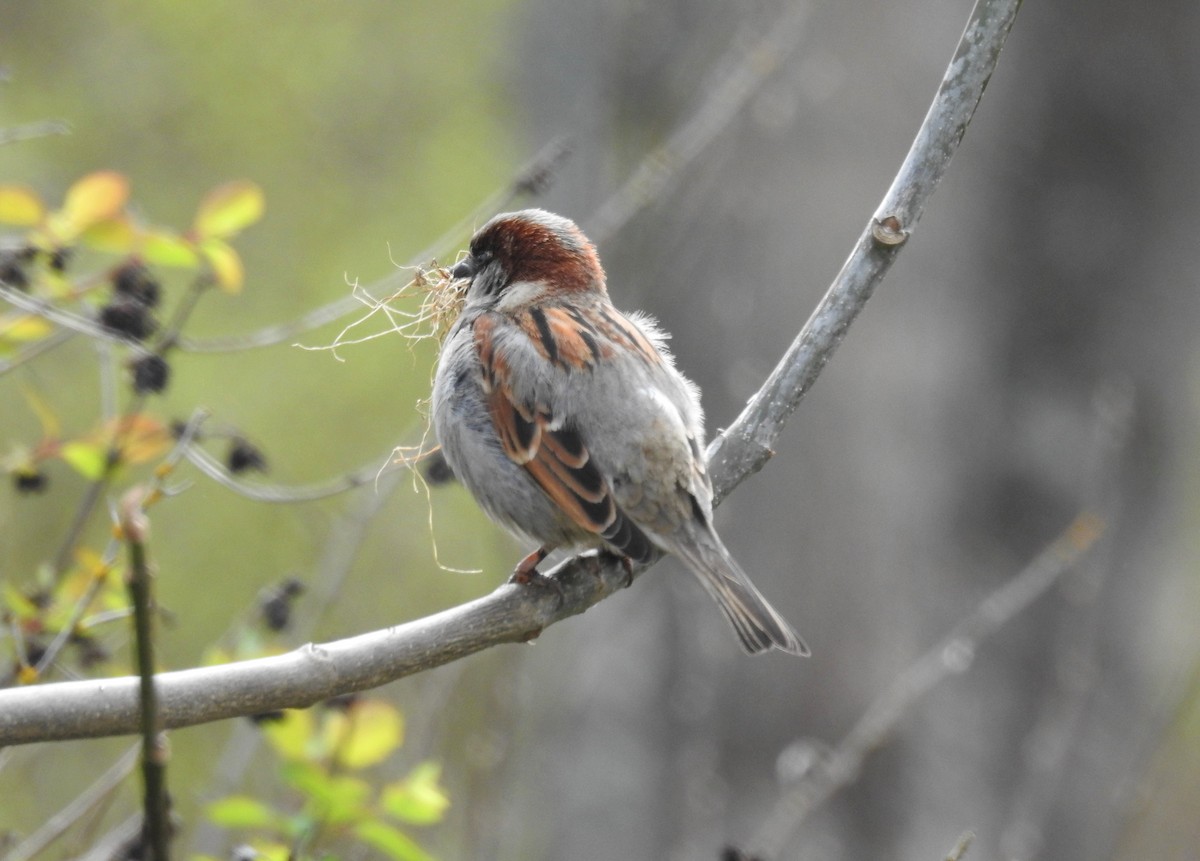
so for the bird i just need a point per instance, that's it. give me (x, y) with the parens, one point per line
(569, 423)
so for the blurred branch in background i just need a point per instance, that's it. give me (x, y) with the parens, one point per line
(30, 131)
(748, 443)
(827, 771)
(745, 71)
(55, 826)
(511, 614)
(529, 181)
(1075, 659)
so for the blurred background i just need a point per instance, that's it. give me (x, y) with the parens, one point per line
(958, 429)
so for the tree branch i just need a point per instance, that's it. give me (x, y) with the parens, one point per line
(513, 614)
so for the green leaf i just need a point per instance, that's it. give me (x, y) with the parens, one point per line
(164, 248)
(347, 799)
(89, 459)
(228, 209)
(304, 776)
(390, 840)
(365, 734)
(17, 602)
(114, 235)
(242, 811)
(333, 798)
(271, 851)
(417, 799)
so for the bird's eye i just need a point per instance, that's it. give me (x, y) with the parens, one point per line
(464, 268)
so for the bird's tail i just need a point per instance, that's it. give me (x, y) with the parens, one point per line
(756, 622)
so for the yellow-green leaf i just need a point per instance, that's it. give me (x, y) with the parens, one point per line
(242, 811)
(365, 734)
(271, 851)
(345, 800)
(20, 205)
(95, 197)
(17, 328)
(18, 603)
(225, 263)
(332, 797)
(87, 458)
(292, 736)
(392, 841)
(228, 209)
(307, 777)
(417, 799)
(115, 235)
(163, 248)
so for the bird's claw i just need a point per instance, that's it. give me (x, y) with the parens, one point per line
(526, 574)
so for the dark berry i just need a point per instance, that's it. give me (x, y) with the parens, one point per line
(12, 272)
(268, 717)
(30, 480)
(244, 456)
(128, 317)
(150, 374)
(35, 650)
(276, 604)
(136, 282)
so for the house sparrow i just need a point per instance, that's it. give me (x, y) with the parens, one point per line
(569, 424)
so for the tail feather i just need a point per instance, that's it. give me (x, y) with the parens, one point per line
(757, 624)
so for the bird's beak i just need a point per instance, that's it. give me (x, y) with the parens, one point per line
(464, 268)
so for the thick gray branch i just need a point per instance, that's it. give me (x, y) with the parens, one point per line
(315, 672)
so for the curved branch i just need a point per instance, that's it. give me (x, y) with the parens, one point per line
(748, 443)
(514, 614)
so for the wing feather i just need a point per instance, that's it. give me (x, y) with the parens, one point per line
(553, 453)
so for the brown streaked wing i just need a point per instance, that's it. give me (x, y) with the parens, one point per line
(555, 458)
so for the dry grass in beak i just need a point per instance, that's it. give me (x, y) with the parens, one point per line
(442, 300)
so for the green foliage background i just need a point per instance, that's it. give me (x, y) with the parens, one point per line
(371, 132)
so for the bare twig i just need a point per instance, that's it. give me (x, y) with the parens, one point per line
(56, 825)
(95, 490)
(1077, 643)
(81, 604)
(134, 527)
(35, 348)
(510, 614)
(29, 131)
(261, 491)
(832, 770)
(68, 320)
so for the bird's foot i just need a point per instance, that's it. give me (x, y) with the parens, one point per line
(526, 573)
